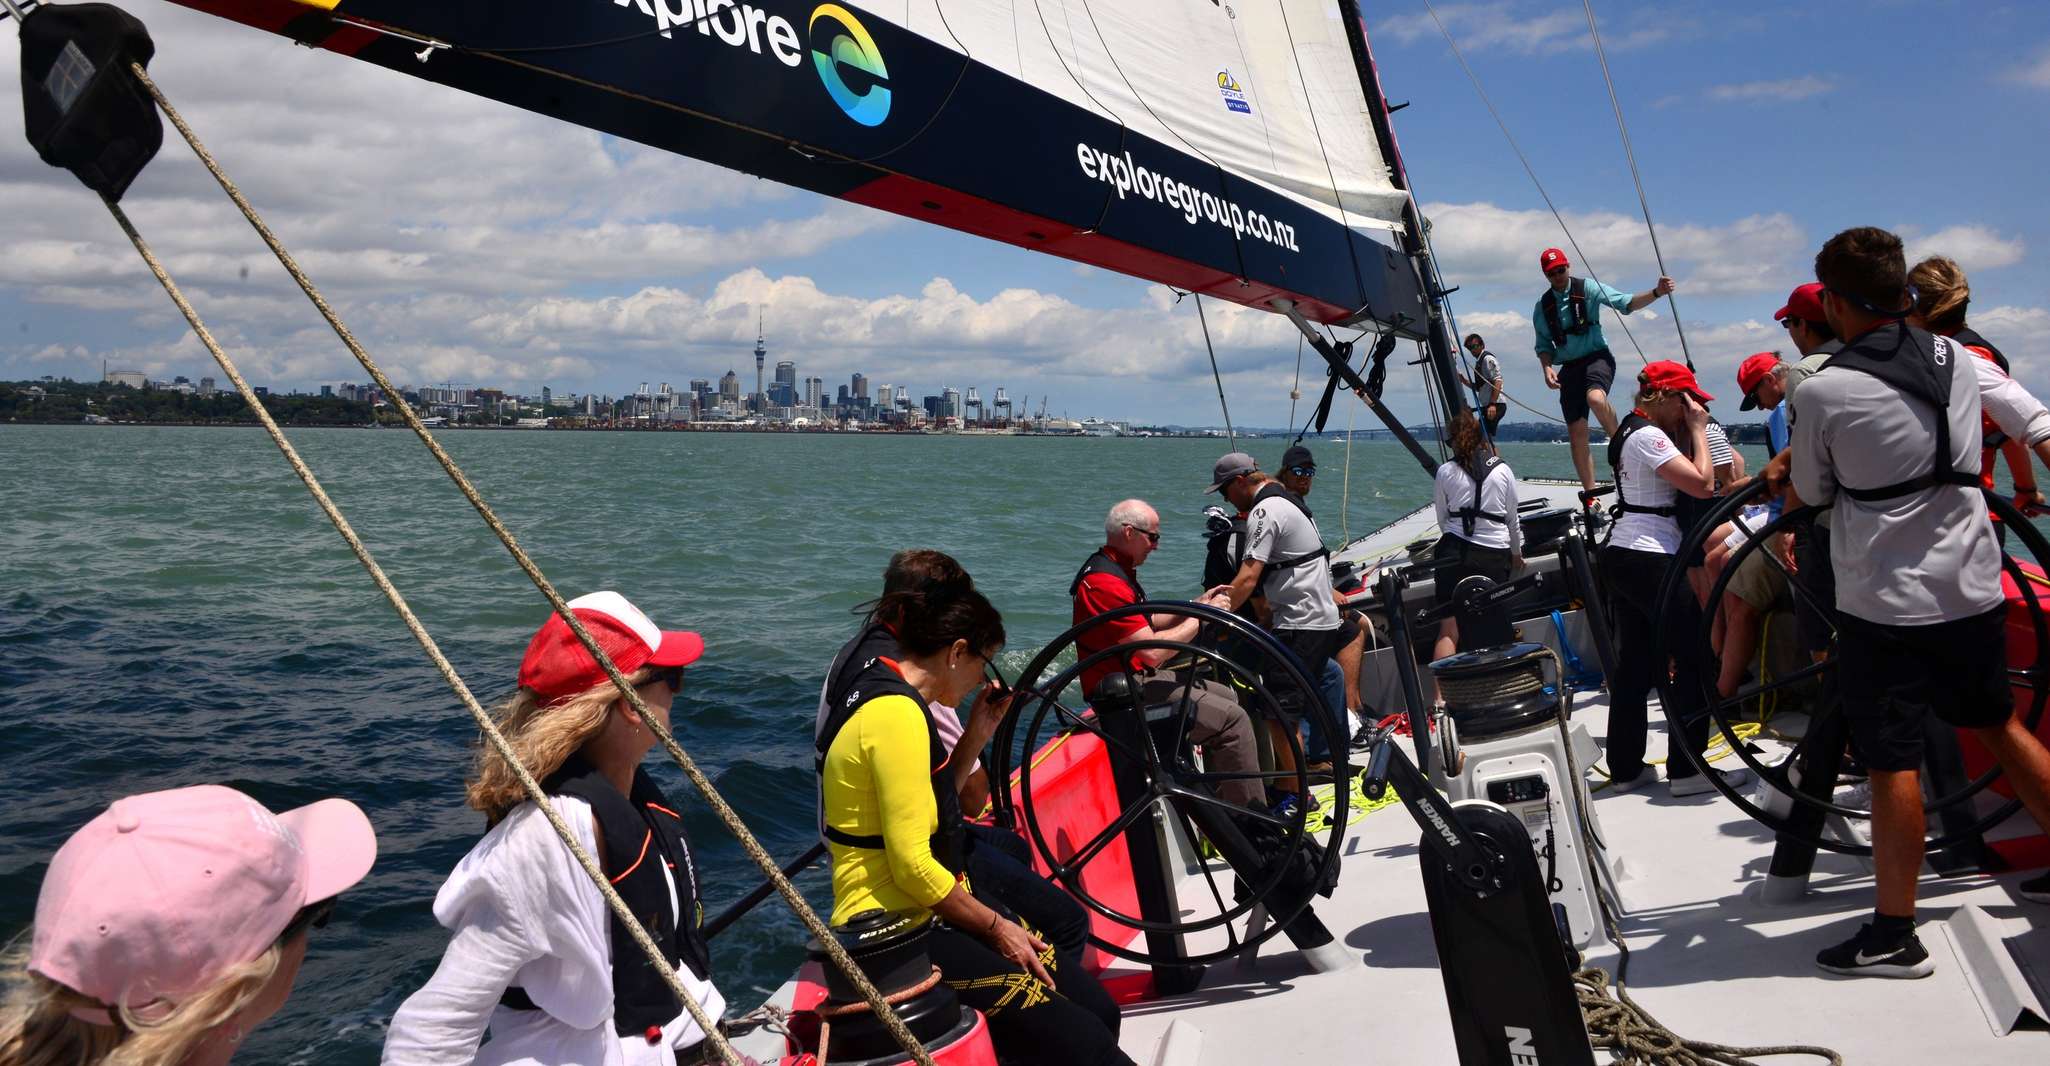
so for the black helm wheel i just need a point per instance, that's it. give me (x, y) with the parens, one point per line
(1719, 709)
(1173, 782)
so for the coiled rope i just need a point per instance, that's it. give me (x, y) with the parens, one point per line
(1617, 1024)
(813, 923)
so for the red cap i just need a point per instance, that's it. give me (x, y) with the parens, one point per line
(1804, 303)
(1666, 374)
(1552, 259)
(557, 664)
(1755, 369)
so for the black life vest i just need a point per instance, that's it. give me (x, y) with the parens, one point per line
(875, 639)
(1917, 364)
(1576, 323)
(1274, 490)
(1223, 553)
(859, 682)
(1631, 423)
(643, 838)
(1970, 336)
(1100, 562)
(1477, 469)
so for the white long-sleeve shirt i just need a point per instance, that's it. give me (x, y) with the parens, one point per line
(523, 912)
(1919, 559)
(1452, 490)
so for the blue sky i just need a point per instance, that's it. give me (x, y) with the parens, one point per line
(472, 243)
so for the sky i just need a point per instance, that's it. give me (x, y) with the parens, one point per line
(470, 242)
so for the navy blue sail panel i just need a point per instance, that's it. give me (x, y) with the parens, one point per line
(840, 101)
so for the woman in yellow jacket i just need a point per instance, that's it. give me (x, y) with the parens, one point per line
(894, 828)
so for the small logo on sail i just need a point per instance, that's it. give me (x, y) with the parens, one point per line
(1234, 98)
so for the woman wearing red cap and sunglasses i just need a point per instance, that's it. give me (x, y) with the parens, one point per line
(535, 955)
(1659, 452)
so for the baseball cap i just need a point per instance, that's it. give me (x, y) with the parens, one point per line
(1234, 464)
(1804, 303)
(1754, 370)
(163, 892)
(1551, 259)
(1297, 455)
(1667, 374)
(557, 664)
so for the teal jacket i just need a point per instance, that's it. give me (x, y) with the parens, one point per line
(1585, 344)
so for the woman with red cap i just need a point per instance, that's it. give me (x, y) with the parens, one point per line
(1659, 452)
(534, 954)
(173, 924)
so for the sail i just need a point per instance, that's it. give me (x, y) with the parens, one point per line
(1225, 148)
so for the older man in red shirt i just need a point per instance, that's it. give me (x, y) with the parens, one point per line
(1110, 580)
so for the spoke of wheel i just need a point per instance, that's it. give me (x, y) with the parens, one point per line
(1185, 715)
(1776, 684)
(1195, 795)
(1236, 775)
(1231, 935)
(1102, 840)
(1083, 724)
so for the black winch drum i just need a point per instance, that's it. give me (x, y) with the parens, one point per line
(890, 949)
(1496, 691)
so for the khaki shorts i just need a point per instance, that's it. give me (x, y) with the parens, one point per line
(1758, 582)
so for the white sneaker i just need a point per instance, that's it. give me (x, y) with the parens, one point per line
(1699, 784)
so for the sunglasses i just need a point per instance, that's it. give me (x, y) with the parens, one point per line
(1870, 309)
(311, 916)
(1303, 471)
(1555, 272)
(996, 677)
(1790, 322)
(1152, 536)
(668, 675)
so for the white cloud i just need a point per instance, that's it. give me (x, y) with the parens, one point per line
(1975, 248)
(1482, 244)
(2035, 72)
(1518, 28)
(1783, 91)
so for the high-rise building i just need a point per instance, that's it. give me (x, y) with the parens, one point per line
(547, 400)
(885, 396)
(814, 392)
(950, 402)
(786, 372)
(206, 386)
(846, 396)
(860, 387)
(932, 406)
(729, 386)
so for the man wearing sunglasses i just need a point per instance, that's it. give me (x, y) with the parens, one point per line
(1573, 351)
(1341, 680)
(1486, 383)
(1110, 580)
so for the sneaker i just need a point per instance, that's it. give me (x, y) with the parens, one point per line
(1859, 957)
(1363, 738)
(2036, 889)
(1645, 775)
(1699, 784)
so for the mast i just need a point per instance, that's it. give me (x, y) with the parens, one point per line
(1438, 342)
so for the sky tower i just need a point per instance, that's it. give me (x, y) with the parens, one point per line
(761, 354)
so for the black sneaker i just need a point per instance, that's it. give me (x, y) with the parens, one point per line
(1860, 957)
(2036, 889)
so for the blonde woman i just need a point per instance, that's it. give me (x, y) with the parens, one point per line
(1941, 298)
(534, 954)
(172, 925)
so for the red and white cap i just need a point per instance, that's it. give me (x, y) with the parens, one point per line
(1552, 259)
(164, 892)
(557, 664)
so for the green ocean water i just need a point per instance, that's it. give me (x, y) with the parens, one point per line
(175, 610)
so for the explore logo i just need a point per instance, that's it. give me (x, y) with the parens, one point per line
(853, 48)
(838, 41)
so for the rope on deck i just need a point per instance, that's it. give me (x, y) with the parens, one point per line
(813, 923)
(1619, 1025)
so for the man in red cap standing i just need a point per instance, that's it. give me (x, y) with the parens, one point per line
(1574, 353)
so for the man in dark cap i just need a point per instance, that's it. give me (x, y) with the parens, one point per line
(1298, 470)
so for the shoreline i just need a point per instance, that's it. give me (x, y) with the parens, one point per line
(768, 430)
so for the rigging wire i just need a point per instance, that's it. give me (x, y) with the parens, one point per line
(1630, 153)
(1230, 435)
(1502, 125)
(663, 736)
(1295, 391)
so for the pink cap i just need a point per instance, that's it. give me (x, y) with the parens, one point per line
(163, 892)
(558, 665)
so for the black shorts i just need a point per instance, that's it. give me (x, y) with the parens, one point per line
(1894, 677)
(1456, 559)
(1491, 416)
(1314, 648)
(1811, 556)
(1597, 371)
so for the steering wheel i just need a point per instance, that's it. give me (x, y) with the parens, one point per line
(2032, 674)
(1157, 754)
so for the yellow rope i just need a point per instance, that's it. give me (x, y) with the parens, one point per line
(720, 807)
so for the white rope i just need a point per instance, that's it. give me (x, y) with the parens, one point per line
(663, 736)
(1295, 391)
(1631, 154)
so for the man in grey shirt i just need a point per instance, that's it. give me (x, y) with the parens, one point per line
(1888, 435)
(1286, 562)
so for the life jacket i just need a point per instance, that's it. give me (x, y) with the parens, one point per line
(1990, 435)
(1969, 337)
(1100, 562)
(859, 682)
(1917, 364)
(874, 639)
(1478, 469)
(1631, 423)
(645, 852)
(1223, 552)
(1577, 322)
(1274, 490)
